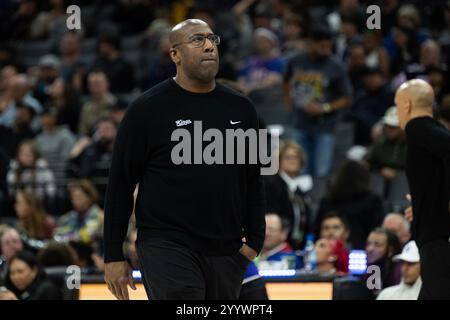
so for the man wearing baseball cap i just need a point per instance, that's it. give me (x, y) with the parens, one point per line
(411, 283)
(387, 155)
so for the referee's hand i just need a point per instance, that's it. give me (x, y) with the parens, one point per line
(118, 275)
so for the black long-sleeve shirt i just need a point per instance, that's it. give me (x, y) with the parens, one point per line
(427, 170)
(209, 208)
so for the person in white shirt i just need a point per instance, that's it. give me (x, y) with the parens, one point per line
(411, 283)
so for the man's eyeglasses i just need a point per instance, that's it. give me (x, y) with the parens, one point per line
(198, 40)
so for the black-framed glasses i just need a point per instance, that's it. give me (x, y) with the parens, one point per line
(198, 40)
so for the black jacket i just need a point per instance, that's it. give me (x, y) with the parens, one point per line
(40, 289)
(279, 200)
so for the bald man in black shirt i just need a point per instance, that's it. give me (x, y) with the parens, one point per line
(428, 173)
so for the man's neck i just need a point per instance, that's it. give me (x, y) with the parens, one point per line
(99, 97)
(113, 56)
(193, 85)
(420, 113)
(291, 175)
(71, 56)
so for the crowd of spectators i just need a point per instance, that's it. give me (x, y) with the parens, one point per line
(312, 67)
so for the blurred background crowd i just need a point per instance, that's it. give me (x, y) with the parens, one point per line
(318, 77)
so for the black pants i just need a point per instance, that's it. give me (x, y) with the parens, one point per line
(435, 270)
(172, 271)
(254, 290)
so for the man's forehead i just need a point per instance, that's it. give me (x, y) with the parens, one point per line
(394, 220)
(377, 238)
(332, 221)
(184, 30)
(197, 29)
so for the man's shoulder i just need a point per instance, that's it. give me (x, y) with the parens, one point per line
(234, 96)
(226, 90)
(300, 58)
(389, 293)
(152, 96)
(158, 89)
(425, 125)
(65, 133)
(304, 55)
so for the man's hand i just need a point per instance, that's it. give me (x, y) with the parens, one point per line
(118, 275)
(388, 173)
(314, 108)
(408, 211)
(248, 252)
(6, 294)
(408, 214)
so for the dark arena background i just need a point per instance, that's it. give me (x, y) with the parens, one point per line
(322, 76)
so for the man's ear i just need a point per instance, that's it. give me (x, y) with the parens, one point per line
(408, 106)
(284, 235)
(35, 271)
(174, 56)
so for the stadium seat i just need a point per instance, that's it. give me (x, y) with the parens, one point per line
(88, 58)
(31, 51)
(132, 43)
(35, 47)
(134, 57)
(88, 46)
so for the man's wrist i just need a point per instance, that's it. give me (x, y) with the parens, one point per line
(248, 251)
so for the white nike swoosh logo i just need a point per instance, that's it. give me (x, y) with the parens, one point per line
(233, 122)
